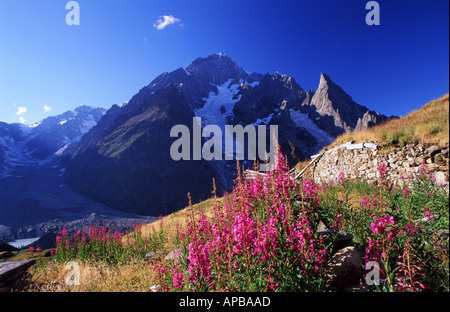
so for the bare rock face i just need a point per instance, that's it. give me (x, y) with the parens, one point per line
(55, 132)
(308, 98)
(368, 120)
(267, 97)
(333, 102)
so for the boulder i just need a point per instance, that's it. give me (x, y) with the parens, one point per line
(12, 271)
(345, 267)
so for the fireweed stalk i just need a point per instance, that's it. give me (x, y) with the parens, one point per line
(384, 232)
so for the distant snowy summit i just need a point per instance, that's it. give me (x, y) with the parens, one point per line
(30, 145)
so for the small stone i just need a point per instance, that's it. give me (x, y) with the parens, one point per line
(153, 254)
(438, 159)
(393, 165)
(443, 233)
(433, 150)
(418, 161)
(174, 255)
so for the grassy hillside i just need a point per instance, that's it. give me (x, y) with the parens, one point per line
(264, 235)
(428, 124)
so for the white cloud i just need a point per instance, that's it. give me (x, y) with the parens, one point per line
(46, 108)
(165, 20)
(21, 110)
(22, 120)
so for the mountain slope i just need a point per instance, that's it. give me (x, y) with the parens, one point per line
(30, 145)
(124, 161)
(32, 186)
(131, 163)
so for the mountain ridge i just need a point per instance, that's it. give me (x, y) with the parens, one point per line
(130, 145)
(120, 157)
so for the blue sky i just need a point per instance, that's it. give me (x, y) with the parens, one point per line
(48, 67)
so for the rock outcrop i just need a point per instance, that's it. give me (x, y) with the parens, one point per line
(339, 113)
(10, 273)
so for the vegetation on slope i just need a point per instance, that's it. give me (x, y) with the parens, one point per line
(263, 237)
(428, 124)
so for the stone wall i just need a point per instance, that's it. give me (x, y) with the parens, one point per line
(403, 163)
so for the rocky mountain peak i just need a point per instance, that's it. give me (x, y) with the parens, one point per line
(329, 90)
(325, 79)
(217, 69)
(341, 111)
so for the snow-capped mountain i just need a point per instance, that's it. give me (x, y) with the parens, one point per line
(32, 145)
(9, 134)
(55, 133)
(33, 195)
(125, 163)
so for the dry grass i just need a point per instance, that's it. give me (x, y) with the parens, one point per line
(133, 276)
(136, 276)
(174, 223)
(429, 124)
